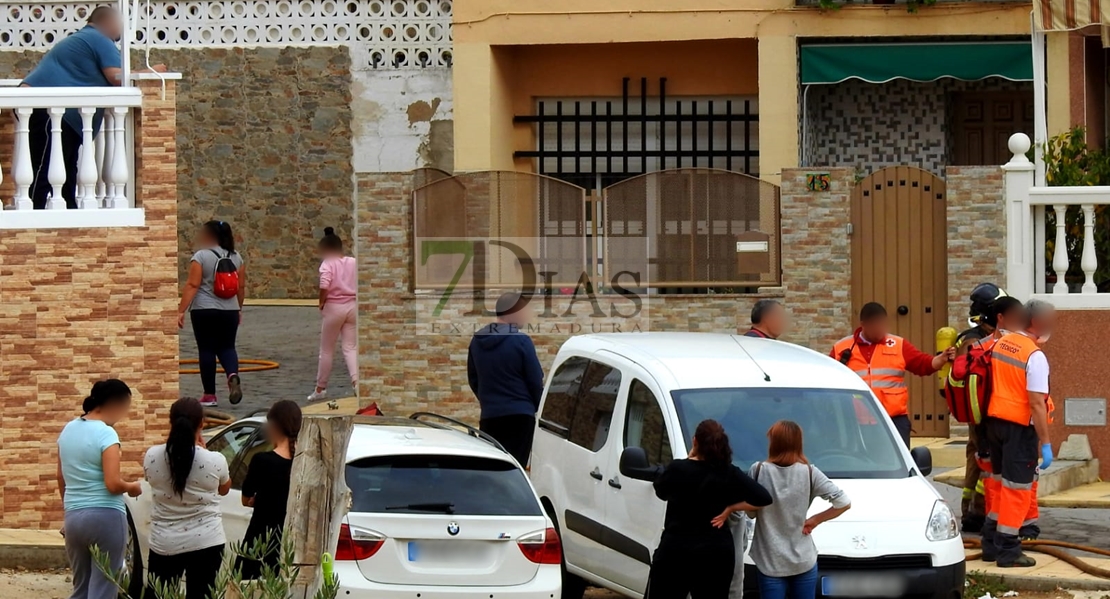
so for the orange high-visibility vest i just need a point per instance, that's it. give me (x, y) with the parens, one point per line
(885, 374)
(1009, 385)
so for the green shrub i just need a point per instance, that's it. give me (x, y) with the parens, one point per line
(274, 583)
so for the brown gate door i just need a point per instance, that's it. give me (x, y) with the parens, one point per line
(898, 259)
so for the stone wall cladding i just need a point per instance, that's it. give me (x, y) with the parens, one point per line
(816, 256)
(78, 305)
(976, 235)
(403, 368)
(264, 141)
(265, 144)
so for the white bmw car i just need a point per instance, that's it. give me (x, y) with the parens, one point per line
(437, 510)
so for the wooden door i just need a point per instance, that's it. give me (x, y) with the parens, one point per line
(899, 240)
(982, 123)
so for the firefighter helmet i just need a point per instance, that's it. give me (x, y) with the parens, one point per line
(982, 298)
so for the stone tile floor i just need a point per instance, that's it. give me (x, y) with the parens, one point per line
(289, 335)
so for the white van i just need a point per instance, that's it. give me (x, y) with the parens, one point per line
(617, 404)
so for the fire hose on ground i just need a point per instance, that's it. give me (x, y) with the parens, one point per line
(1057, 550)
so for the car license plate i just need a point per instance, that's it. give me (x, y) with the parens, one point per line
(863, 585)
(436, 552)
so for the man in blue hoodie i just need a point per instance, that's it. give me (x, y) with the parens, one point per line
(505, 374)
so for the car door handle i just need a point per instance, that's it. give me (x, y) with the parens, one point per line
(597, 474)
(613, 482)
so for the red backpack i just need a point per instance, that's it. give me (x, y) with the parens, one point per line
(968, 388)
(225, 281)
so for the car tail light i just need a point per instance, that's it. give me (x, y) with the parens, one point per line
(542, 547)
(357, 544)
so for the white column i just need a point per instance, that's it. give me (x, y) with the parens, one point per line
(108, 132)
(1089, 262)
(86, 166)
(1060, 249)
(119, 172)
(22, 173)
(1018, 178)
(99, 143)
(56, 174)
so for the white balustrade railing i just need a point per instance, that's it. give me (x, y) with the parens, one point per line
(1026, 205)
(105, 160)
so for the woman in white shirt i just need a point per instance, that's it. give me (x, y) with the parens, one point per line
(187, 480)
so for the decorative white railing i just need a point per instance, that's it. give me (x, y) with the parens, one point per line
(381, 34)
(104, 194)
(1026, 206)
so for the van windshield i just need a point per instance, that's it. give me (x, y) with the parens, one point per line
(846, 436)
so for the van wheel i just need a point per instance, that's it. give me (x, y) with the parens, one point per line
(133, 560)
(573, 586)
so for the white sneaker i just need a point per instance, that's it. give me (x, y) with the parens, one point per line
(318, 395)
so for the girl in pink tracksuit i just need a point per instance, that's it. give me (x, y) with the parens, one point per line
(338, 284)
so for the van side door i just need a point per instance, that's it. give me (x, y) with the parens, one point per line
(573, 431)
(634, 512)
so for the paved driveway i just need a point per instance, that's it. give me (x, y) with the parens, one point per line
(287, 335)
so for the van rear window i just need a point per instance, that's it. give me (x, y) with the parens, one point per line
(437, 484)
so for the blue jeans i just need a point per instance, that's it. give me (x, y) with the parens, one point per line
(799, 586)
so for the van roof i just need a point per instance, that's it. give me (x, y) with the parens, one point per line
(715, 360)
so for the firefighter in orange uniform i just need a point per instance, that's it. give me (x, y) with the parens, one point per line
(1017, 434)
(882, 360)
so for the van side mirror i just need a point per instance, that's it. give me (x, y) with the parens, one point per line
(923, 458)
(634, 464)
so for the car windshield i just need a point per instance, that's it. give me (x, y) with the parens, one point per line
(436, 484)
(846, 436)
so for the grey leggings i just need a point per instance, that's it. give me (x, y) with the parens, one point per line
(107, 529)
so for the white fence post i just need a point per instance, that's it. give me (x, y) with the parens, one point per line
(56, 172)
(86, 165)
(1019, 220)
(1060, 249)
(22, 172)
(1089, 262)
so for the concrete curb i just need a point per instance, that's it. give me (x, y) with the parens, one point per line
(1019, 582)
(33, 557)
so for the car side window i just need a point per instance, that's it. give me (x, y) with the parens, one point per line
(644, 425)
(232, 440)
(597, 397)
(257, 445)
(562, 396)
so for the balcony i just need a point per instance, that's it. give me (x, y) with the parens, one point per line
(1060, 265)
(105, 183)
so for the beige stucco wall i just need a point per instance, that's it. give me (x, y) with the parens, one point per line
(488, 34)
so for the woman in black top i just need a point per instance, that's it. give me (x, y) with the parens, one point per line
(694, 557)
(266, 487)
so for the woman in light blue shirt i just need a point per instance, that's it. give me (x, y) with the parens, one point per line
(92, 488)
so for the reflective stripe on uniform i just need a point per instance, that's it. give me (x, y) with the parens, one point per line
(968, 493)
(1009, 484)
(1008, 530)
(972, 393)
(1029, 521)
(888, 372)
(979, 487)
(1008, 360)
(860, 373)
(888, 384)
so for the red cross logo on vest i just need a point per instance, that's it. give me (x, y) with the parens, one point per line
(890, 342)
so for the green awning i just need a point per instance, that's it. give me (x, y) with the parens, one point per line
(879, 63)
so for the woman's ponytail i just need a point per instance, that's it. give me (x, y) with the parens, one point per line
(186, 417)
(221, 232)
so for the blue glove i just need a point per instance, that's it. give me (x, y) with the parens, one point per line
(1046, 456)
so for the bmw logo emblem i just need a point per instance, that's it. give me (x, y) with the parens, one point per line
(453, 528)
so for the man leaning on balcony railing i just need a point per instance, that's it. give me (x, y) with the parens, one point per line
(87, 58)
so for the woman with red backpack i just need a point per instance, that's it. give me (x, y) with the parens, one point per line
(213, 294)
